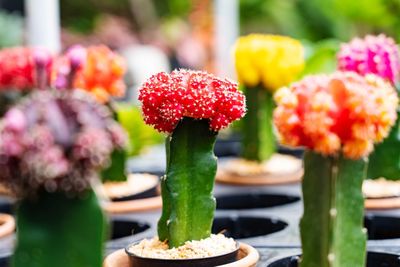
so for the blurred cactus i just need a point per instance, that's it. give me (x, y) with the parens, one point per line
(57, 142)
(52, 145)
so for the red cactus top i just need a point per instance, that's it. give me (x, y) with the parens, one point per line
(339, 112)
(167, 98)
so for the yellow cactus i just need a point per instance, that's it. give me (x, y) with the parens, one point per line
(271, 60)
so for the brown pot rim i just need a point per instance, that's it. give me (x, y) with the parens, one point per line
(7, 225)
(249, 258)
(226, 177)
(137, 205)
(382, 203)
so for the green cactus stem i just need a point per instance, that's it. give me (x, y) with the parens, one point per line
(56, 230)
(186, 189)
(332, 233)
(385, 159)
(258, 132)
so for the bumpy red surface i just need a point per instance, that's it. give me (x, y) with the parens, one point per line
(167, 98)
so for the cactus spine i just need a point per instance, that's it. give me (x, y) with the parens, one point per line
(258, 131)
(188, 204)
(332, 232)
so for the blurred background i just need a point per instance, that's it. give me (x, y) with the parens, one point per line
(160, 35)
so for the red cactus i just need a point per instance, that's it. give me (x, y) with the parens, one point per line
(167, 98)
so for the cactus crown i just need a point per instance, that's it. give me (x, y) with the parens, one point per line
(19, 67)
(95, 69)
(167, 98)
(373, 54)
(339, 112)
(271, 60)
(56, 140)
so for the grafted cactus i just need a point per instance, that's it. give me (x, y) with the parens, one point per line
(337, 118)
(191, 107)
(264, 63)
(52, 146)
(381, 56)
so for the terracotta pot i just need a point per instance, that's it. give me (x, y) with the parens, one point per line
(7, 225)
(270, 175)
(146, 199)
(247, 257)
(381, 194)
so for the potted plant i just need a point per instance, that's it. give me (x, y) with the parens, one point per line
(191, 106)
(338, 118)
(21, 70)
(264, 63)
(378, 55)
(99, 71)
(53, 145)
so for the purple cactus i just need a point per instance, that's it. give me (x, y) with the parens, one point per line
(374, 54)
(56, 140)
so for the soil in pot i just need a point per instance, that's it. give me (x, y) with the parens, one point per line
(382, 227)
(247, 227)
(374, 259)
(213, 251)
(253, 201)
(123, 227)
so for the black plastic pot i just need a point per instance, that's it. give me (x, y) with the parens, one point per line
(6, 205)
(246, 227)
(253, 201)
(124, 227)
(374, 259)
(382, 227)
(151, 192)
(138, 261)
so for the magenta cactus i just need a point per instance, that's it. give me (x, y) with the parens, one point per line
(371, 55)
(57, 141)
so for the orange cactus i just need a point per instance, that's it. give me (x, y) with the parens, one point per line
(102, 73)
(339, 112)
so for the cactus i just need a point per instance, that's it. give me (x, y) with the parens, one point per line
(191, 106)
(258, 132)
(53, 145)
(56, 230)
(329, 115)
(188, 204)
(331, 228)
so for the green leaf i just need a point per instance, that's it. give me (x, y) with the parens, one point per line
(322, 58)
(55, 230)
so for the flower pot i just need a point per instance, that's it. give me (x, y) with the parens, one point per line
(374, 259)
(382, 227)
(253, 201)
(121, 227)
(238, 227)
(7, 225)
(381, 194)
(279, 169)
(247, 256)
(125, 198)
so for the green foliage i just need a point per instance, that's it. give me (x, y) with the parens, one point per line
(188, 204)
(56, 230)
(385, 159)
(257, 126)
(11, 29)
(332, 224)
(140, 135)
(321, 57)
(116, 171)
